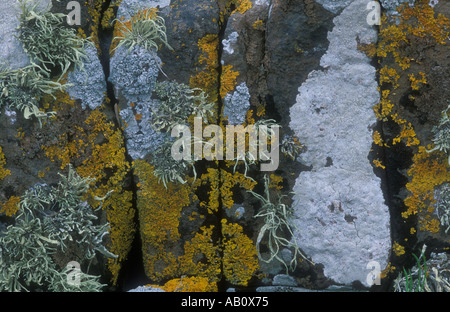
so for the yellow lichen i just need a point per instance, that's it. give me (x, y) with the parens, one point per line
(159, 210)
(3, 172)
(398, 249)
(428, 171)
(240, 260)
(190, 284)
(11, 206)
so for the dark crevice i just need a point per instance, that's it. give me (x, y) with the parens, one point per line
(222, 284)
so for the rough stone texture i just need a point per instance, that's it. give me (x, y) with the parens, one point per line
(88, 84)
(341, 217)
(334, 5)
(11, 52)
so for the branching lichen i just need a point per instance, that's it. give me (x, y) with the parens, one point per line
(47, 40)
(277, 219)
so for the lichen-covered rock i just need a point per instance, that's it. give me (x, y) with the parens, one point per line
(134, 73)
(12, 54)
(341, 216)
(236, 105)
(88, 84)
(141, 138)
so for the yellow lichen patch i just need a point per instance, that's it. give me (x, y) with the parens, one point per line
(240, 259)
(202, 256)
(417, 81)
(3, 172)
(378, 164)
(258, 25)
(389, 75)
(428, 171)
(227, 80)
(98, 151)
(377, 139)
(211, 178)
(207, 79)
(398, 249)
(190, 284)
(159, 212)
(229, 181)
(276, 182)
(11, 206)
(384, 108)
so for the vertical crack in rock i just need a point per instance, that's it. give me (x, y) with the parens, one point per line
(333, 118)
(132, 272)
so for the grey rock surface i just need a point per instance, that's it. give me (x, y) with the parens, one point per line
(128, 8)
(342, 220)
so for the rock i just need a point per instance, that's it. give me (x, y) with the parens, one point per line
(88, 84)
(284, 280)
(341, 217)
(334, 6)
(11, 52)
(296, 38)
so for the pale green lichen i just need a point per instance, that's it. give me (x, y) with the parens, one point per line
(49, 218)
(277, 217)
(47, 40)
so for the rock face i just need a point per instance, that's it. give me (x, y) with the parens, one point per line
(341, 215)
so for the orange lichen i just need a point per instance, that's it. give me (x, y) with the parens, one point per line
(227, 80)
(240, 259)
(378, 164)
(3, 172)
(11, 206)
(159, 210)
(207, 78)
(398, 249)
(275, 181)
(416, 82)
(428, 171)
(190, 284)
